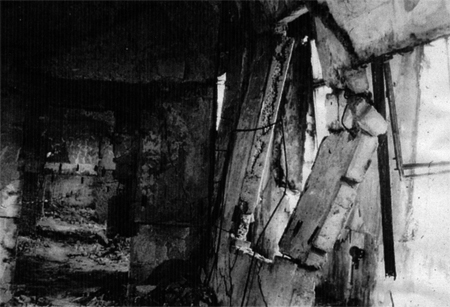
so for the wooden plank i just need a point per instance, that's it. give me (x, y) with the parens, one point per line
(258, 163)
(393, 118)
(248, 119)
(336, 218)
(334, 157)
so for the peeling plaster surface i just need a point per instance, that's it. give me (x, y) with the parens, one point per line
(377, 27)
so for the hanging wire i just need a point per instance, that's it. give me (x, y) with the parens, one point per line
(270, 218)
(258, 128)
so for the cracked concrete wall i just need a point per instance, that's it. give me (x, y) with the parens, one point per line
(170, 206)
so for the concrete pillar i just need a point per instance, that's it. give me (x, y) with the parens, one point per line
(10, 190)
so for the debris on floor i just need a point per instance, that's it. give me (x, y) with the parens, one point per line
(69, 261)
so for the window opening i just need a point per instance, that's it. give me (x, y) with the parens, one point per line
(220, 94)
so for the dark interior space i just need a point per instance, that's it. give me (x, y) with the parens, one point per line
(225, 153)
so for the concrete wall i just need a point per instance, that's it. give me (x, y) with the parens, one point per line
(420, 203)
(170, 206)
(11, 183)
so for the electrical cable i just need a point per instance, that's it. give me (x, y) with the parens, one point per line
(256, 129)
(342, 120)
(270, 218)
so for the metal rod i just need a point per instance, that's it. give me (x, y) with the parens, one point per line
(429, 174)
(384, 173)
(421, 165)
(393, 117)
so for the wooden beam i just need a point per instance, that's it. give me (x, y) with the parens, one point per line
(258, 163)
(324, 183)
(384, 173)
(393, 117)
(248, 118)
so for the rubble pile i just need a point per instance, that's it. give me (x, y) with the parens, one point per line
(69, 261)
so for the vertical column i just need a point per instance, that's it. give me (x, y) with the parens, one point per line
(10, 189)
(383, 168)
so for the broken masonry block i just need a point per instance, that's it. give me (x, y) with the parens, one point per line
(241, 245)
(372, 122)
(362, 157)
(244, 226)
(323, 184)
(369, 120)
(316, 258)
(356, 80)
(336, 218)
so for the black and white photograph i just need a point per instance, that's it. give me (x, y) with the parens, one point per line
(242, 153)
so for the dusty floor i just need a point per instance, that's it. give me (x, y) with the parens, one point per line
(71, 262)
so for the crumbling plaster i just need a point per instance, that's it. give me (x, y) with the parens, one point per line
(352, 33)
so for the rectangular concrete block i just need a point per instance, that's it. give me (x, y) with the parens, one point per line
(372, 122)
(336, 218)
(324, 183)
(362, 158)
(316, 260)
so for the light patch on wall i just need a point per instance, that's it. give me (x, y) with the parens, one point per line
(320, 111)
(316, 67)
(320, 94)
(434, 111)
(421, 227)
(220, 94)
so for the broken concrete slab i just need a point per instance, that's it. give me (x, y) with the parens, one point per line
(356, 80)
(324, 208)
(336, 218)
(362, 158)
(334, 157)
